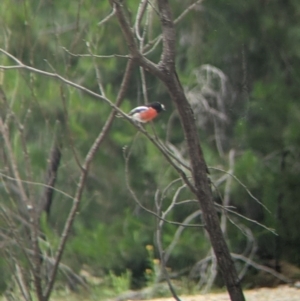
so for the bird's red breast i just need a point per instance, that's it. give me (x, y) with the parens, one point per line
(148, 114)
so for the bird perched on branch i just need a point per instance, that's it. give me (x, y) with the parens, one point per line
(147, 112)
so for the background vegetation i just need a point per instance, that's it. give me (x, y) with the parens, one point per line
(240, 66)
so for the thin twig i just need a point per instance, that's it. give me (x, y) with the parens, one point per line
(131, 42)
(108, 17)
(252, 221)
(37, 184)
(30, 206)
(226, 198)
(139, 16)
(250, 241)
(243, 185)
(159, 228)
(186, 11)
(111, 56)
(178, 233)
(19, 276)
(97, 71)
(174, 200)
(136, 199)
(13, 162)
(162, 261)
(68, 130)
(156, 41)
(212, 274)
(261, 267)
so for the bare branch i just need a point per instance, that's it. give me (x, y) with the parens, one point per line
(37, 184)
(168, 156)
(250, 248)
(226, 198)
(186, 11)
(252, 221)
(139, 16)
(136, 199)
(108, 17)
(174, 200)
(261, 267)
(162, 258)
(97, 71)
(127, 31)
(243, 185)
(85, 168)
(112, 56)
(131, 42)
(154, 43)
(151, 46)
(144, 85)
(13, 162)
(212, 274)
(30, 206)
(141, 38)
(141, 11)
(177, 235)
(21, 282)
(14, 233)
(68, 130)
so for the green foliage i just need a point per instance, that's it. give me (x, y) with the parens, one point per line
(110, 286)
(115, 247)
(120, 283)
(4, 275)
(259, 52)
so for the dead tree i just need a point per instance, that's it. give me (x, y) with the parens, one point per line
(165, 70)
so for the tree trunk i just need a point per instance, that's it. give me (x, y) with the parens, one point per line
(165, 70)
(203, 189)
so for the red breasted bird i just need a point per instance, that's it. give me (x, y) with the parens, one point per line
(147, 112)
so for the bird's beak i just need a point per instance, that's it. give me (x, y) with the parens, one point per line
(163, 107)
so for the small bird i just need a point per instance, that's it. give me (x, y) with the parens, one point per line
(147, 112)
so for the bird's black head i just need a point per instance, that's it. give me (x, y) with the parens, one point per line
(157, 106)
